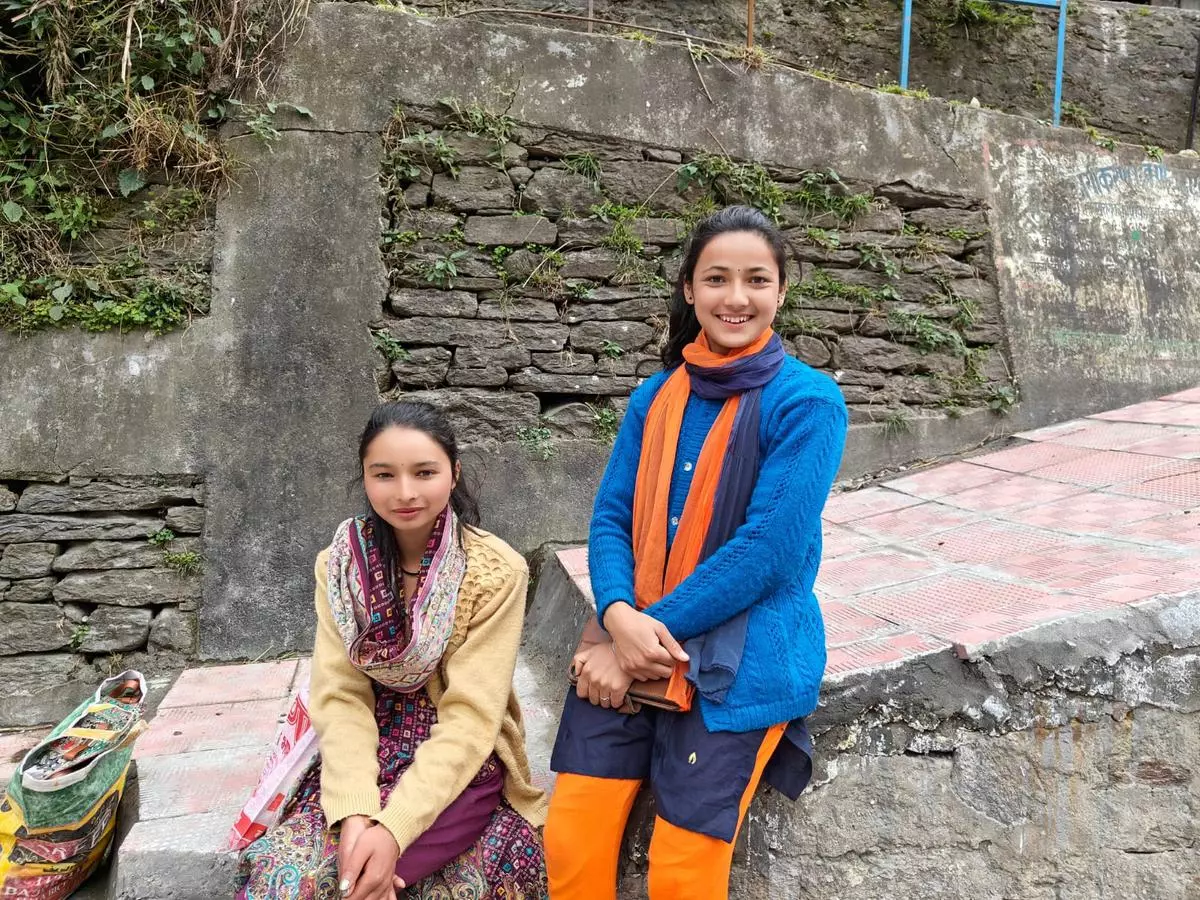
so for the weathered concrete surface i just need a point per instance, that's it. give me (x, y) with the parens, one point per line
(1101, 287)
(1128, 67)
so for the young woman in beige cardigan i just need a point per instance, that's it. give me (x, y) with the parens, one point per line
(422, 789)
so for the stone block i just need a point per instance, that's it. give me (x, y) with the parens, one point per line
(30, 590)
(812, 350)
(22, 528)
(667, 156)
(475, 189)
(481, 415)
(428, 223)
(875, 353)
(511, 231)
(481, 150)
(479, 333)
(128, 587)
(8, 500)
(423, 366)
(173, 629)
(27, 560)
(112, 629)
(518, 309)
(119, 554)
(941, 220)
(566, 363)
(553, 191)
(613, 294)
(660, 232)
(33, 628)
(598, 385)
(651, 184)
(520, 175)
(571, 420)
(509, 356)
(186, 519)
(595, 264)
(606, 337)
(937, 264)
(100, 496)
(43, 689)
(643, 308)
(430, 302)
(577, 234)
(882, 216)
(488, 376)
(641, 363)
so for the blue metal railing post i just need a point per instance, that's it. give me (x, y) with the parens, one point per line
(1062, 54)
(905, 42)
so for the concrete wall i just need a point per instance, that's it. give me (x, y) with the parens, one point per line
(1128, 69)
(263, 399)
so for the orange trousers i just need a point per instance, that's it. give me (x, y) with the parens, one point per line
(587, 823)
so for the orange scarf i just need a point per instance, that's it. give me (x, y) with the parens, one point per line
(655, 572)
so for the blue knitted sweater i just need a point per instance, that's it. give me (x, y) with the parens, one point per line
(770, 563)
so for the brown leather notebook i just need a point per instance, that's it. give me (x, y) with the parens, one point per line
(673, 694)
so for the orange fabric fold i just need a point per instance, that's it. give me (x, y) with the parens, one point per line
(655, 571)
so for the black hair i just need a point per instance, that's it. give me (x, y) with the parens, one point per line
(432, 422)
(684, 327)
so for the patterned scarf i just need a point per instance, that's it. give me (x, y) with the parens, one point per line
(398, 646)
(716, 503)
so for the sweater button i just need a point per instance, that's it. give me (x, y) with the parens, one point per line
(687, 467)
(675, 521)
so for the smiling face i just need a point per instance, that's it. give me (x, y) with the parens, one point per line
(408, 479)
(735, 289)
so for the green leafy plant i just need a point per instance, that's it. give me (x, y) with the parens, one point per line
(640, 36)
(186, 562)
(605, 423)
(927, 333)
(442, 271)
(386, 343)
(830, 240)
(821, 287)
(476, 119)
(727, 181)
(584, 164)
(824, 192)
(162, 537)
(79, 635)
(894, 88)
(1074, 114)
(538, 441)
(1154, 152)
(1002, 397)
(874, 257)
(897, 422)
(611, 350)
(393, 239)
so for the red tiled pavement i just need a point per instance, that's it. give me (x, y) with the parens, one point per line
(1082, 516)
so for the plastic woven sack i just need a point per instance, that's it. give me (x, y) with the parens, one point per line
(292, 754)
(57, 821)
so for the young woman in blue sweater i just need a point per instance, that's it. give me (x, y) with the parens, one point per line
(704, 546)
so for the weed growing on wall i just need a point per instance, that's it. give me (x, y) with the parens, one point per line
(96, 100)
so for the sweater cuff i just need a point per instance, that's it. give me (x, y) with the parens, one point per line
(342, 805)
(602, 607)
(402, 826)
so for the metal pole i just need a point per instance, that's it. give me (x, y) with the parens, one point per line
(749, 24)
(905, 41)
(1062, 55)
(1191, 135)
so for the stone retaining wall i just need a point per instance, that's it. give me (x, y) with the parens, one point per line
(530, 273)
(96, 575)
